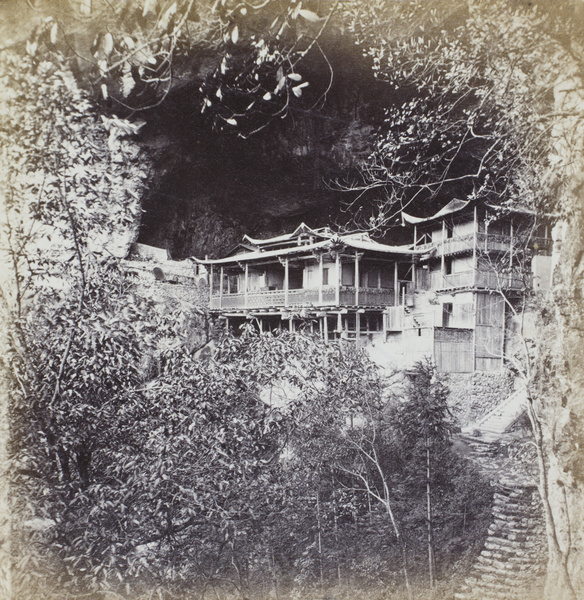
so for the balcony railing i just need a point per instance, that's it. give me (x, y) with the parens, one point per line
(302, 297)
(485, 242)
(489, 280)
(399, 318)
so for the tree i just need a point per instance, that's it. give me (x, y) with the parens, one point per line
(385, 443)
(493, 90)
(426, 425)
(247, 57)
(454, 128)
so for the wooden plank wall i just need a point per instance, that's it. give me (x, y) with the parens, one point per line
(453, 350)
(489, 332)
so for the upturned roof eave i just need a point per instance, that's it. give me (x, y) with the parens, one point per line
(308, 248)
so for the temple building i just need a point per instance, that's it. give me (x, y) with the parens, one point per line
(446, 294)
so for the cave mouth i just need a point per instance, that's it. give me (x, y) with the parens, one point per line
(209, 187)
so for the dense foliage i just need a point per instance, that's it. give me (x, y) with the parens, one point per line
(278, 460)
(205, 476)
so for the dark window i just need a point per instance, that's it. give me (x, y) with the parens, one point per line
(448, 266)
(348, 275)
(325, 273)
(447, 311)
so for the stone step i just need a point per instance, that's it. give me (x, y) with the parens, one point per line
(525, 501)
(513, 518)
(515, 572)
(500, 543)
(512, 507)
(489, 584)
(511, 558)
(518, 535)
(505, 528)
(515, 494)
(490, 572)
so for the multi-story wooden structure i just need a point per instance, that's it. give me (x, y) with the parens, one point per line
(443, 295)
(339, 285)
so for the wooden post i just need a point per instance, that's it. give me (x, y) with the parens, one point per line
(474, 248)
(414, 274)
(286, 281)
(338, 280)
(291, 323)
(339, 324)
(357, 328)
(246, 285)
(415, 236)
(442, 259)
(356, 279)
(221, 288)
(395, 288)
(320, 277)
(325, 328)
(511, 253)
(211, 284)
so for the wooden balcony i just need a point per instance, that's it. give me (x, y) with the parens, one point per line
(486, 280)
(303, 298)
(485, 242)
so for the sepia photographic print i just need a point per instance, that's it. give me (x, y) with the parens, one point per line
(291, 299)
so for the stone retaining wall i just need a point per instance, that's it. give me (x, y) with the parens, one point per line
(473, 395)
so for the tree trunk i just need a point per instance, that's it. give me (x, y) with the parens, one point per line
(431, 557)
(558, 581)
(5, 516)
(561, 364)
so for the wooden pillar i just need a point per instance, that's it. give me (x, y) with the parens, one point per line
(357, 327)
(415, 236)
(395, 288)
(339, 324)
(291, 324)
(414, 274)
(474, 248)
(511, 231)
(320, 277)
(246, 285)
(442, 260)
(221, 288)
(338, 280)
(260, 325)
(325, 328)
(286, 281)
(210, 283)
(357, 279)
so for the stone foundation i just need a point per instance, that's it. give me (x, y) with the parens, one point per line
(473, 395)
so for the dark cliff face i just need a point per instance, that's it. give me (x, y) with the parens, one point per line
(210, 187)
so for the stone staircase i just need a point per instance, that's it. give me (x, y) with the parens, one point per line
(512, 562)
(495, 423)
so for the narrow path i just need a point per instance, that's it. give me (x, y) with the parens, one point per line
(512, 562)
(511, 565)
